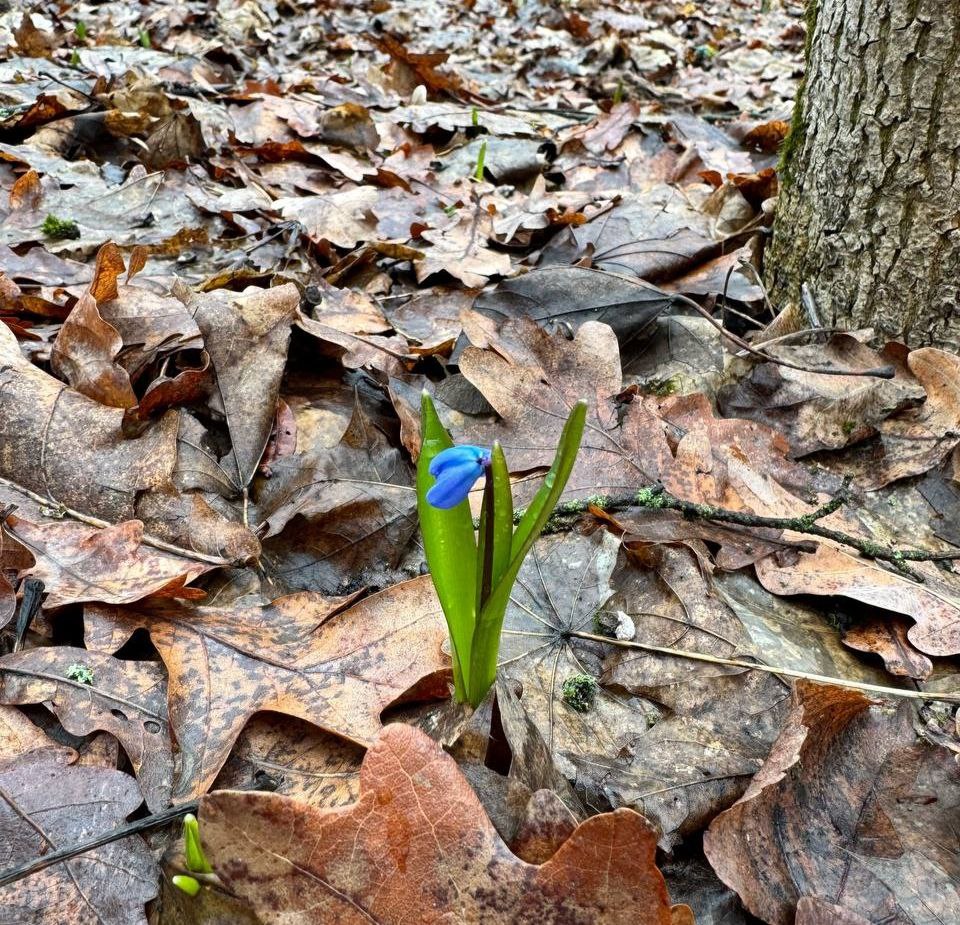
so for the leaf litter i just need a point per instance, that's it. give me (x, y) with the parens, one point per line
(237, 241)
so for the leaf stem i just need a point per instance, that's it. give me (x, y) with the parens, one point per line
(770, 669)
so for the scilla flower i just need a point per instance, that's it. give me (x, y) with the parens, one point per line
(456, 469)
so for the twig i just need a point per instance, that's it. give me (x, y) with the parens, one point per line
(655, 497)
(882, 372)
(148, 540)
(13, 874)
(770, 669)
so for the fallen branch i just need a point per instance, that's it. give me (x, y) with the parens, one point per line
(656, 497)
(13, 874)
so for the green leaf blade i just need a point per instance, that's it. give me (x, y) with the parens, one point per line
(450, 547)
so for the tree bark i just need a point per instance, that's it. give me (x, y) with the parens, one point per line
(869, 210)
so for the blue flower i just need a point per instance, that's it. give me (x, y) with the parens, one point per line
(456, 469)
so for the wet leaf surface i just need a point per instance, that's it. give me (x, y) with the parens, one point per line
(604, 871)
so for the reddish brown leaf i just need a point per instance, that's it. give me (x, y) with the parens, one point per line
(85, 353)
(418, 846)
(80, 563)
(933, 605)
(888, 639)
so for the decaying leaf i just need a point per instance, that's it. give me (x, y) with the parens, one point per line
(78, 563)
(417, 843)
(533, 379)
(246, 335)
(85, 353)
(304, 655)
(47, 804)
(933, 605)
(850, 810)
(89, 691)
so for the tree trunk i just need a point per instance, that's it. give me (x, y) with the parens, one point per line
(869, 210)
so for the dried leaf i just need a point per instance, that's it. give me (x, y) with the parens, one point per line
(124, 698)
(850, 808)
(532, 380)
(372, 863)
(246, 335)
(85, 353)
(79, 563)
(304, 655)
(933, 605)
(47, 804)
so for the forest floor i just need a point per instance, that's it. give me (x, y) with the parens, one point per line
(238, 240)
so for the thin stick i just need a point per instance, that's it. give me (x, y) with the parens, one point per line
(13, 874)
(147, 539)
(882, 372)
(770, 669)
(655, 497)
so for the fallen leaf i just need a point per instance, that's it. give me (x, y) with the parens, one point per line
(460, 249)
(888, 639)
(304, 655)
(18, 736)
(79, 563)
(337, 516)
(342, 218)
(918, 439)
(816, 411)
(293, 757)
(556, 296)
(371, 862)
(850, 809)
(85, 353)
(125, 698)
(246, 335)
(67, 447)
(46, 804)
(934, 606)
(533, 379)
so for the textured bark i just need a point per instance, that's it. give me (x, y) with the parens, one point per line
(869, 215)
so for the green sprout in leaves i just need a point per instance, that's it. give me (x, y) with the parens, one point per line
(481, 159)
(618, 93)
(475, 117)
(60, 229)
(144, 38)
(80, 30)
(196, 860)
(80, 673)
(579, 692)
(475, 573)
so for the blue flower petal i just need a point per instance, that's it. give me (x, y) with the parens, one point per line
(456, 478)
(459, 455)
